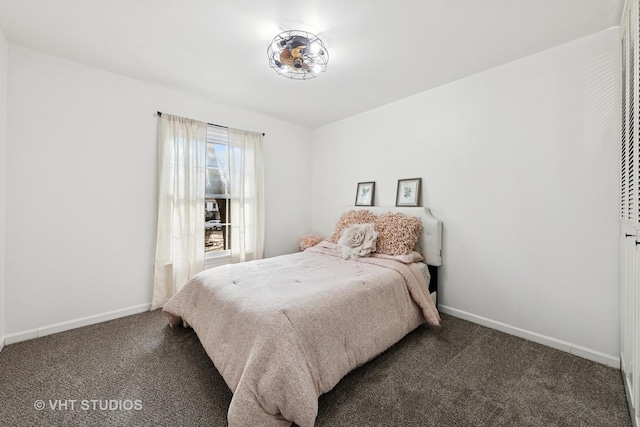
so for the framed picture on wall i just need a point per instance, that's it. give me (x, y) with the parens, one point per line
(364, 193)
(408, 193)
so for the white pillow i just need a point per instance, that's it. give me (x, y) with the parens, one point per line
(357, 240)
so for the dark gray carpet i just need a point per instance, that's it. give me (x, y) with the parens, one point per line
(136, 371)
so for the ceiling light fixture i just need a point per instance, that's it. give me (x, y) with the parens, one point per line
(298, 55)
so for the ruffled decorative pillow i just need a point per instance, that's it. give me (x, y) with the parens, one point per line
(357, 240)
(349, 218)
(309, 240)
(397, 233)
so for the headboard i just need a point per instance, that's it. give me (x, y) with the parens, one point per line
(430, 240)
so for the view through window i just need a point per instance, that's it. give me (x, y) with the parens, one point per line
(217, 197)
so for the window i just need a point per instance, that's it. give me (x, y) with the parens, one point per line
(197, 164)
(217, 194)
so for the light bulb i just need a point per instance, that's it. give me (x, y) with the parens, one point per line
(314, 48)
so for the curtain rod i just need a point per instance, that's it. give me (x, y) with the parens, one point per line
(210, 124)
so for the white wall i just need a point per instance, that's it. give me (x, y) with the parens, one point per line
(519, 161)
(81, 186)
(4, 57)
(521, 164)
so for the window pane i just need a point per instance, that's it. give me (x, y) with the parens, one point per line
(216, 234)
(217, 182)
(221, 155)
(213, 235)
(216, 156)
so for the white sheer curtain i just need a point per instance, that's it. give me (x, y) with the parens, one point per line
(182, 145)
(247, 195)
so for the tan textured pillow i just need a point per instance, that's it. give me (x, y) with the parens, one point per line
(350, 218)
(397, 233)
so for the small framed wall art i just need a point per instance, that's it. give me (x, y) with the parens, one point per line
(364, 193)
(408, 192)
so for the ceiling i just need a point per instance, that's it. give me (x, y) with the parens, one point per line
(380, 50)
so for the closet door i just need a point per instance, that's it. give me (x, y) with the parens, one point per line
(630, 209)
(629, 136)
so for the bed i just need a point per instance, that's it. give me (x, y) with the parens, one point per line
(284, 330)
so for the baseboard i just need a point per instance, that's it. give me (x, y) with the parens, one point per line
(73, 324)
(577, 350)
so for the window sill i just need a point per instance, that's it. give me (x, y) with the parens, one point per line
(215, 259)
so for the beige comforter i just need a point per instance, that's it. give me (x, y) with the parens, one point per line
(282, 331)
